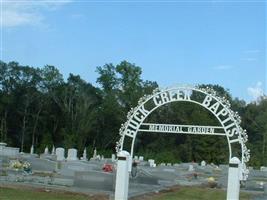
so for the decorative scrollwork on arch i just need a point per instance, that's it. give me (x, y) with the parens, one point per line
(219, 106)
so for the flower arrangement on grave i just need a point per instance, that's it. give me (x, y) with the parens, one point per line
(107, 167)
(210, 179)
(20, 165)
(16, 164)
(26, 166)
(211, 182)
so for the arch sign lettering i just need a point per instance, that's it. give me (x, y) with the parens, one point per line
(206, 97)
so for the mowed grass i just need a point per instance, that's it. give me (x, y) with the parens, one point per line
(198, 194)
(177, 193)
(37, 194)
(192, 193)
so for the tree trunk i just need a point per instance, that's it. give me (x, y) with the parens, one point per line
(2, 130)
(35, 125)
(263, 149)
(5, 126)
(23, 130)
(54, 131)
(24, 124)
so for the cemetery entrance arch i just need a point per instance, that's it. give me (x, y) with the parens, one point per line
(205, 97)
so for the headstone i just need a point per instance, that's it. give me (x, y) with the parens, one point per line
(203, 163)
(151, 163)
(95, 154)
(44, 165)
(84, 155)
(263, 169)
(169, 164)
(141, 158)
(261, 183)
(95, 180)
(135, 157)
(162, 164)
(32, 149)
(191, 168)
(60, 153)
(53, 150)
(8, 151)
(113, 158)
(72, 154)
(2, 146)
(46, 150)
(102, 157)
(214, 166)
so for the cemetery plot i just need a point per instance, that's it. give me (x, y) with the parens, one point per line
(88, 175)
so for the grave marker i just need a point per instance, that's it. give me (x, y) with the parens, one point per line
(72, 155)
(60, 153)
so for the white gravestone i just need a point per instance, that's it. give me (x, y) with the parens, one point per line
(2, 146)
(135, 157)
(191, 168)
(203, 163)
(141, 158)
(84, 155)
(151, 163)
(46, 151)
(32, 150)
(8, 151)
(60, 153)
(53, 151)
(113, 157)
(95, 154)
(72, 154)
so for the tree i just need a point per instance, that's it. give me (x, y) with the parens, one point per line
(130, 84)
(39, 107)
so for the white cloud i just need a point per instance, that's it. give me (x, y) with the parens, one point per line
(223, 67)
(13, 16)
(256, 91)
(249, 59)
(250, 55)
(25, 13)
(77, 16)
(252, 51)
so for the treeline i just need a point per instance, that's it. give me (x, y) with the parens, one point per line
(38, 107)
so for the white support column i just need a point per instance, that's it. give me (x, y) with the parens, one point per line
(233, 186)
(122, 176)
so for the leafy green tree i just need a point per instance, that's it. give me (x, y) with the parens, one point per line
(38, 107)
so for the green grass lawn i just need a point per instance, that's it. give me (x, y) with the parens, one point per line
(29, 194)
(196, 193)
(177, 193)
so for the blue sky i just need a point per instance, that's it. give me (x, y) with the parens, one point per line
(218, 42)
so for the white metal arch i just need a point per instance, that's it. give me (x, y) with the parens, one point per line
(218, 106)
